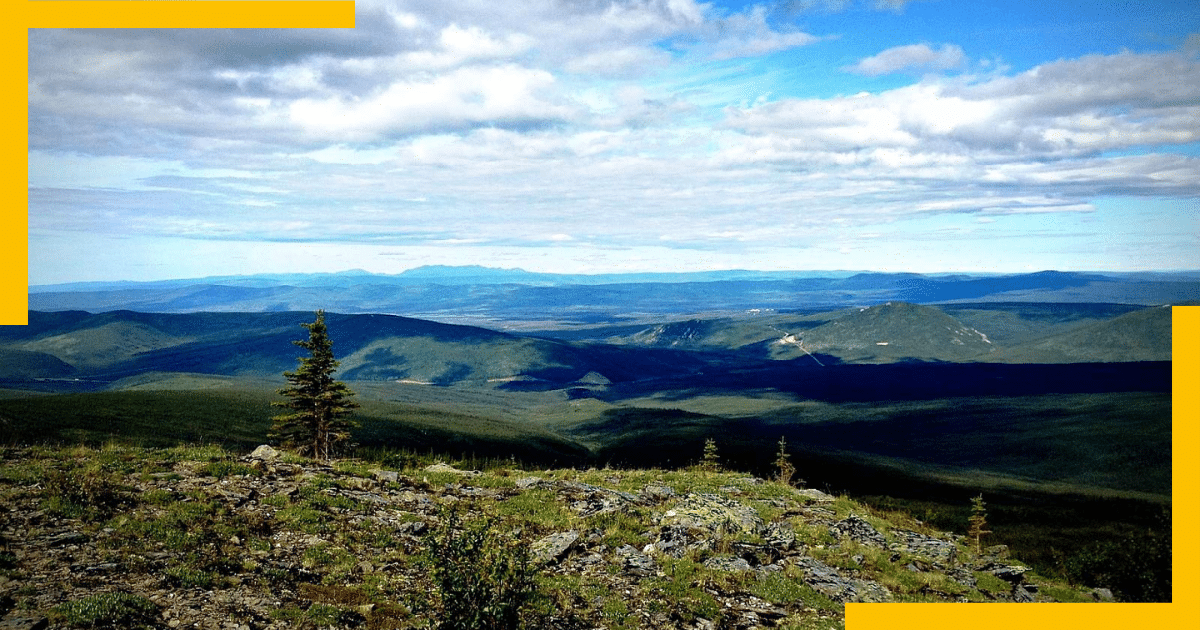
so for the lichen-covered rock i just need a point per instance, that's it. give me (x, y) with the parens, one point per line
(731, 564)
(922, 545)
(715, 515)
(554, 547)
(827, 580)
(635, 562)
(441, 467)
(858, 530)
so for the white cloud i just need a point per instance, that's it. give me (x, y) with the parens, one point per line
(918, 57)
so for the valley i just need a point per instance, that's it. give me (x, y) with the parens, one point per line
(1057, 411)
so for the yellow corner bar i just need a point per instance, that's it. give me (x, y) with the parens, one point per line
(195, 14)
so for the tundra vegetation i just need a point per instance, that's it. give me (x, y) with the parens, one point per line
(131, 536)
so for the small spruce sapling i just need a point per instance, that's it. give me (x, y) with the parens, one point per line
(784, 464)
(711, 462)
(978, 521)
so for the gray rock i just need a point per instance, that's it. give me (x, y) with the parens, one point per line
(554, 547)
(635, 562)
(442, 467)
(858, 530)
(815, 496)
(386, 476)
(67, 538)
(1008, 573)
(781, 536)
(731, 564)
(715, 515)
(24, 623)
(657, 492)
(827, 580)
(265, 453)
(530, 482)
(922, 545)
(415, 528)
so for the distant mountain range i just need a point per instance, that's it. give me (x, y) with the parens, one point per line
(109, 346)
(501, 298)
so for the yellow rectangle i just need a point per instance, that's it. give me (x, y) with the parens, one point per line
(198, 14)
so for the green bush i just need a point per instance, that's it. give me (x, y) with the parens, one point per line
(483, 580)
(90, 495)
(121, 609)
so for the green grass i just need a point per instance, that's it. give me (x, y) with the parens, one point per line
(119, 609)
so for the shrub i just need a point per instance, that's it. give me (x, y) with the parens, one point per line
(121, 609)
(90, 494)
(483, 581)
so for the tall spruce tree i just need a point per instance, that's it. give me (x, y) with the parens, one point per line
(319, 405)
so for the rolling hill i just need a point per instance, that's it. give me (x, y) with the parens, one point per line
(114, 345)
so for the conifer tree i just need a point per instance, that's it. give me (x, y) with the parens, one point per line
(317, 423)
(784, 464)
(711, 462)
(978, 521)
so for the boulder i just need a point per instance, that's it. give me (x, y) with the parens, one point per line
(635, 562)
(858, 530)
(264, 453)
(442, 467)
(827, 580)
(554, 547)
(730, 564)
(715, 515)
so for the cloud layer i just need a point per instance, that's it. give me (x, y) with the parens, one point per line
(584, 124)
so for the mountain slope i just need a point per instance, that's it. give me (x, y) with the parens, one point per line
(1143, 335)
(890, 332)
(371, 347)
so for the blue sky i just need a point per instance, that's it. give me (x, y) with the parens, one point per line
(624, 135)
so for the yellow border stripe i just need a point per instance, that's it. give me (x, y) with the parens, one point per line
(198, 14)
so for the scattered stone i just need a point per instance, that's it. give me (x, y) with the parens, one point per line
(715, 515)
(24, 623)
(442, 467)
(858, 530)
(635, 562)
(524, 483)
(922, 545)
(265, 453)
(67, 538)
(554, 547)
(657, 493)
(386, 476)
(1014, 574)
(827, 580)
(730, 564)
(781, 536)
(815, 496)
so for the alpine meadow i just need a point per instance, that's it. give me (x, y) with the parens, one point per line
(613, 314)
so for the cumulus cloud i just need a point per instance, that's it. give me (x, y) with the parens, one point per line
(919, 57)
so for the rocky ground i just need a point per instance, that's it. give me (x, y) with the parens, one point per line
(200, 538)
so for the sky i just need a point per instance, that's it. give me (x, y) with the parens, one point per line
(595, 136)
